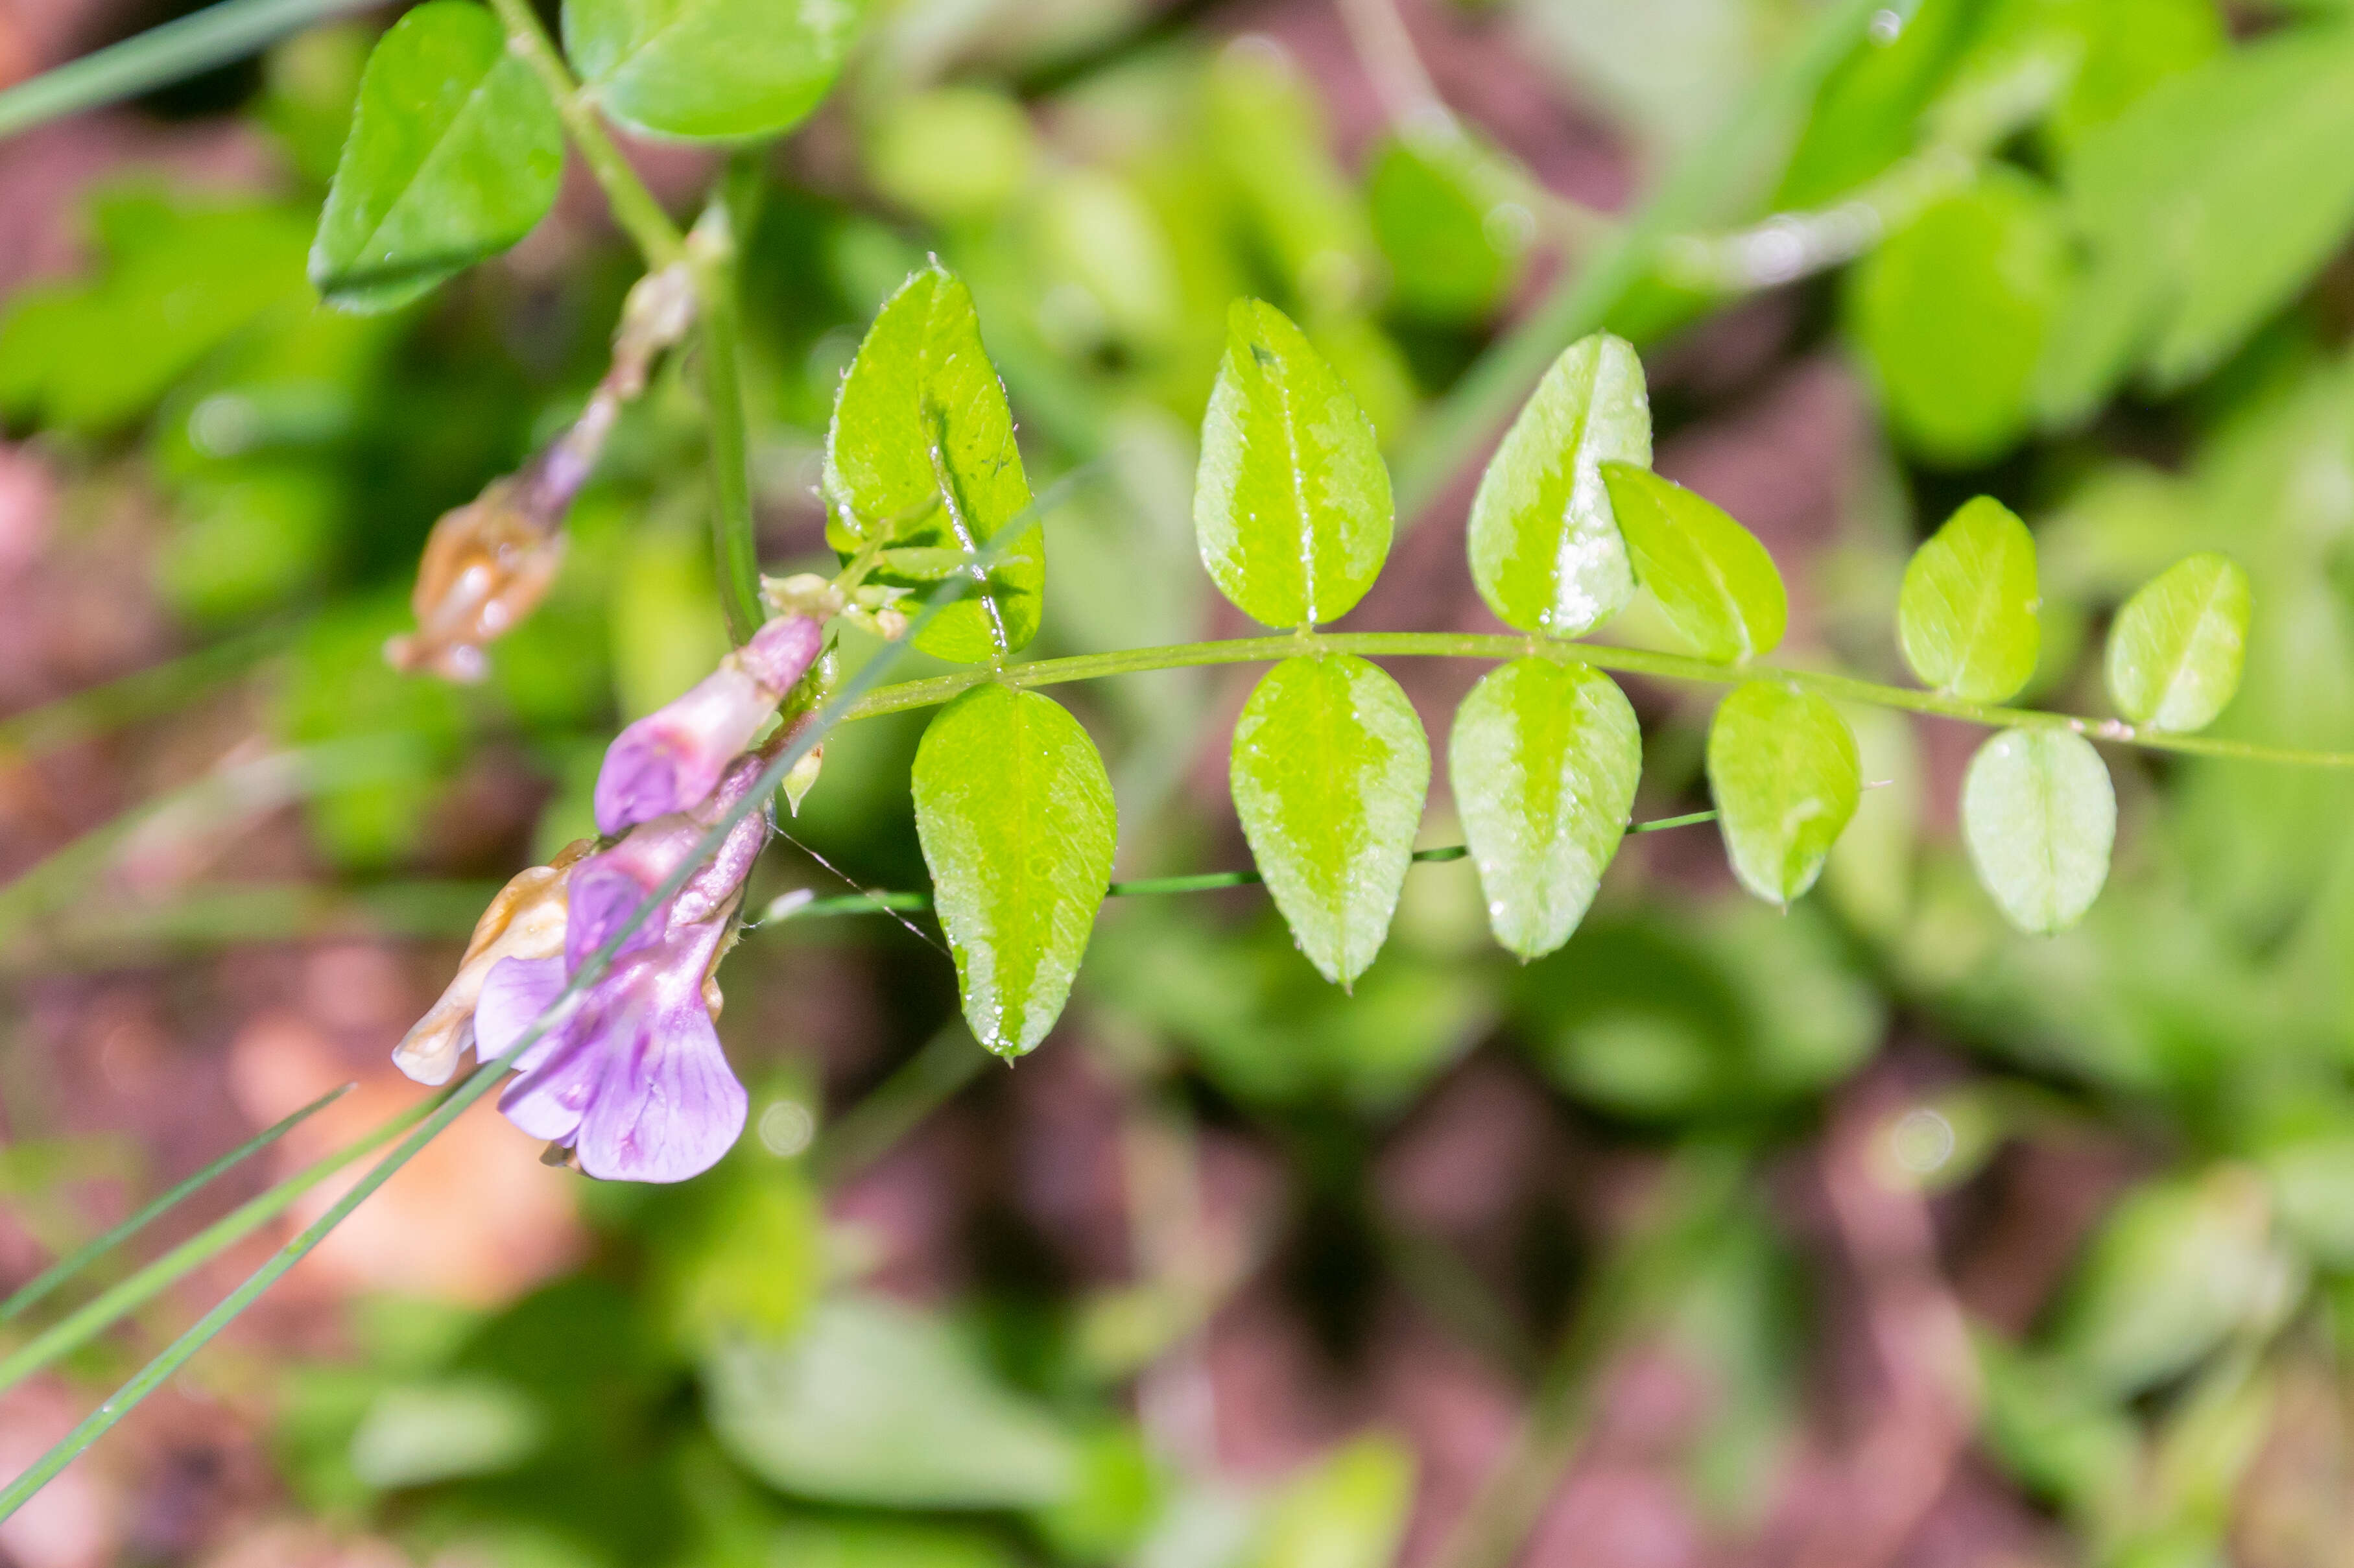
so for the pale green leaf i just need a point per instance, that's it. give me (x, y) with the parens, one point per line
(1782, 766)
(921, 452)
(1018, 827)
(1545, 550)
(2177, 647)
(455, 152)
(1329, 771)
(1966, 615)
(1292, 506)
(1714, 582)
(1544, 761)
(2039, 815)
(708, 67)
(417, 1434)
(1349, 1512)
(875, 1403)
(2204, 207)
(1951, 312)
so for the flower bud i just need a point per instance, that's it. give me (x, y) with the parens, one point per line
(486, 565)
(670, 760)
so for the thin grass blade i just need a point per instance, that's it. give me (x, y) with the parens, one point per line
(65, 1268)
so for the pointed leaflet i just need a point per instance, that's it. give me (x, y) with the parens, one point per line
(1546, 549)
(1713, 580)
(708, 67)
(921, 452)
(2176, 650)
(1017, 822)
(1543, 759)
(2039, 815)
(1966, 612)
(1782, 766)
(1292, 506)
(1329, 771)
(454, 153)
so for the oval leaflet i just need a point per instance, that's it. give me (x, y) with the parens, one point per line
(2178, 646)
(1544, 761)
(1330, 770)
(2039, 815)
(1782, 765)
(1018, 826)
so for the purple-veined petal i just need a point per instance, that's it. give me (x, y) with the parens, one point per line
(669, 1106)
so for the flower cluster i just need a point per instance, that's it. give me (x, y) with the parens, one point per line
(630, 1078)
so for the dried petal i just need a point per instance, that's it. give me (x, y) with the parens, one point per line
(525, 920)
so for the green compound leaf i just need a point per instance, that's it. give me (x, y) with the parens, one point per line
(1546, 549)
(2178, 645)
(1713, 580)
(921, 452)
(1966, 615)
(1018, 826)
(1329, 771)
(2039, 815)
(707, 68)
(1292, 504)
(1783, 767)
(1951, 314)
(455, 152)
(1544, 761)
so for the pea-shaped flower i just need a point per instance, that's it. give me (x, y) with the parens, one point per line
(633, 1079)
(670, 760)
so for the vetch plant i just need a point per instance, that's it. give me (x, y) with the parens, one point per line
(588, 990)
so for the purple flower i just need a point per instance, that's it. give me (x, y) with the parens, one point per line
(632, 1078)
(670, 760)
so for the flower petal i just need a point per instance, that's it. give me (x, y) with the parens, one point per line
(669, 1107)
(516, 992)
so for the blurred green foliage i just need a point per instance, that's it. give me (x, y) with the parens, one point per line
(2128, 321)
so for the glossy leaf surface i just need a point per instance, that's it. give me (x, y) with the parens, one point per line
(1291, 506)
(1783, 767)
(2039, 815)
(1543, 761)
(2177, 648)
(1018, 826)
(708, 67)
(1714, 582)
(1966, 615)
(921, 452)
(455, 152)
(1329, 771)
(1545, 550)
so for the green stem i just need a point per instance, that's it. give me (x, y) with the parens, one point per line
(212, 36)
(893, 1109)
(1602, 656)
(71, 1332)
(733, 538)
(65, 1268)
(879, 902)
(633, 206)
(1686, 198)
